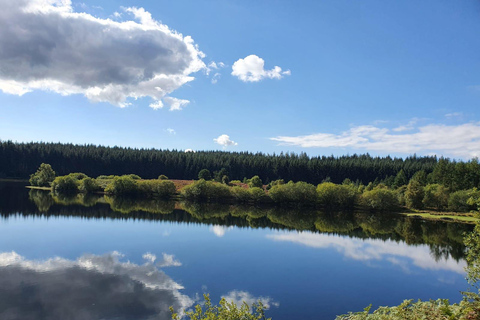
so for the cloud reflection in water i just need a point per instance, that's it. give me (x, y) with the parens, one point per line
(398, 253)
(91, 287)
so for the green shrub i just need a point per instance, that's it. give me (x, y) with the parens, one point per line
(463, 200)
(124, 185)
(294, 192)
(162, 177)
(257, 194)
(255, 181)
(43, 177)
(436, 196)
(89, 185)
(414, 194)
(225, 311)
(156, 188)
(240, 194)
(133, 176)
(204, 174)
(65, 184)
(379, 199)
(206, 190)
(336, 195)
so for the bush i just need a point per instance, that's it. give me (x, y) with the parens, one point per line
(204, 174)
(436, 196)
(156, 188)
(225, 310)
(379, 199)
(43, 177)
(65, 184)
(89, 185)
(336, 195)
(124, 185)
(414, 194)
(257, 194)
(205, 190)
(162, 177)
(255, 181)
(299, 192)
(133, 176)
(463, 200)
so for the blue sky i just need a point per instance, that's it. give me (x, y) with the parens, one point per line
(388, 78)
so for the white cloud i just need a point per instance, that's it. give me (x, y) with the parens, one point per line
(215, 77)
(454, 115)
(46, 45)
(408, 127)
(171, 131)
(458, 141)
(398, 253)
(224, 140)
(251, 69)
(238, 297)
(189, 150)
(168, 261)
(219, 231)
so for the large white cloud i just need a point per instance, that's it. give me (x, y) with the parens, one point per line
(448, 140)
(251, 69)
(45, 45)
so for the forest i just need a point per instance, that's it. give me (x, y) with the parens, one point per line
(19, 160)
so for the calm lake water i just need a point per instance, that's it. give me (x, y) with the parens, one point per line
(104, 258)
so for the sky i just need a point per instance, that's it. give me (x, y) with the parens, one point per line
(321, 77)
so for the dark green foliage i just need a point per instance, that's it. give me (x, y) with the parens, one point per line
(43, 177)
(162, 177)
(400, 179)
(218, 175)
(225, 180)
(463, 200)
(420, 177)
(204, 174)
(21, 159)
(294, 192)
(255, 181)
(380, 199)
(414, 195)
(89, 185)
(65, 184)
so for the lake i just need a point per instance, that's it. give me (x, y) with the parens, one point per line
(104, 258)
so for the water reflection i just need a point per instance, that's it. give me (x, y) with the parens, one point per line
(444, 239)
(238, 297)
(91, 287)
(397, 253)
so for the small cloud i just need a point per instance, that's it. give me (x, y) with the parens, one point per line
(190, 150)
(215, 77)
(175, 104)
(224, 140)
(171, 131)
(219, 231)
(149, 257)
(238, 297)
(454, 115)
(168, 261)
(251, 69)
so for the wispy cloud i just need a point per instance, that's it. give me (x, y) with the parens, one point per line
(449, 140)
(238, 297)
(251, 69)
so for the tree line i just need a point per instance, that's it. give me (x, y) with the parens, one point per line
(19, 160)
